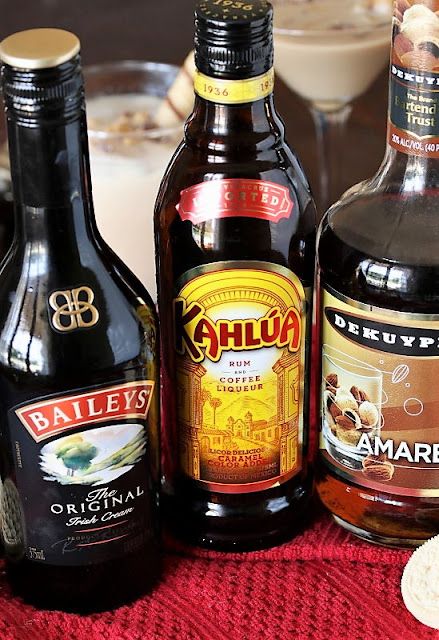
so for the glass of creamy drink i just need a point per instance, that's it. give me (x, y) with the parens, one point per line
(129, 153)
(329, 52)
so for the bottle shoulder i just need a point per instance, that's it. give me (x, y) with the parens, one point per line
(191, 166)
(77, 321)
(381, 247)
(235, 149)
(218, 236)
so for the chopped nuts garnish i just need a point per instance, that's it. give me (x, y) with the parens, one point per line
(131, 121)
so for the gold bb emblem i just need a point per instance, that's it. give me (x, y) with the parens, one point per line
(73, 309)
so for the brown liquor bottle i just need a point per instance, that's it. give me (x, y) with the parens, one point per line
(378, 265)
(78, 366)
(235, 230)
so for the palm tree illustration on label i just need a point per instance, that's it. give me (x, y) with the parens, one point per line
(215, 403)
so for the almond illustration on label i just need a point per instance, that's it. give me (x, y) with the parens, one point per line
(400, 373)
(359, 395)
(331, 405)
(378, 468)
(348, 409)
(331, 382)
(348, 420)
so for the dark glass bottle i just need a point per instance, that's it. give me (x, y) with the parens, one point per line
(235, 230)
(6, 213)
(378, 264)
(78, 365)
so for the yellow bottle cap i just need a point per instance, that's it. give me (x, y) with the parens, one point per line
(39, 48)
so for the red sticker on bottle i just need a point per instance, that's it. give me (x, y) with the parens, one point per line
(51, 417)
(235, 197)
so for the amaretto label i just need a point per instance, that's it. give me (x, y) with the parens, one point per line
(240, 338)
(379, 406)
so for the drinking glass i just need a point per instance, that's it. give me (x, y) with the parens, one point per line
(127, 164)
(350, 373)
(329, 52)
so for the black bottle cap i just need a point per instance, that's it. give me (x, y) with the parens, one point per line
(233, 43)
(41, 73)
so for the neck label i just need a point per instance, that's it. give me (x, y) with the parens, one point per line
(235, 197)
(414, 83)
(234, 91)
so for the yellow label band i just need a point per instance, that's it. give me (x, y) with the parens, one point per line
(234, 91)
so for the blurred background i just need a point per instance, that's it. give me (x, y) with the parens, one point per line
(163, 31)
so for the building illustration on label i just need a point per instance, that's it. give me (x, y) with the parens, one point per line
(379, 411)
(240, 391)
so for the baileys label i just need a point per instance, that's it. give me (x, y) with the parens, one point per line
(83, 491)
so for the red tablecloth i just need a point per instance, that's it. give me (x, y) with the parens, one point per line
(325, 585)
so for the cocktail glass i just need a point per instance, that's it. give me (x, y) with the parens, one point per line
(127, 164)
(329, 52)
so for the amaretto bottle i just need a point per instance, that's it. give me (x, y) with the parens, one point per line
(78, 369)
(235, 227)
(378, 261)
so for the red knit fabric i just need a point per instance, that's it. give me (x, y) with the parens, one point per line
(326, 585)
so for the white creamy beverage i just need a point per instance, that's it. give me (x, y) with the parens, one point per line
(128, 158)
(330, 51)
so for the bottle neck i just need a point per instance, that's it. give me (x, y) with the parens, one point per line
(412, 154)
(407, 173)
(240, 108)
(222, 119)
(51, 177)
